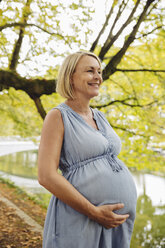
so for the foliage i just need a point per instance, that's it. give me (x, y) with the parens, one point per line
(139, 120)
(149, 226)
(13, 106)
(129, 38)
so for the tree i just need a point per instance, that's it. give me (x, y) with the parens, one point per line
(138, 24)
(35, 88)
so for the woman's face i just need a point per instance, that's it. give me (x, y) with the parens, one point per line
(87, 78)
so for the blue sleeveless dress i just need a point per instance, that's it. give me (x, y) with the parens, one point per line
(89, 162)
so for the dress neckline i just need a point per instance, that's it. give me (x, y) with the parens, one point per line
(80, 117)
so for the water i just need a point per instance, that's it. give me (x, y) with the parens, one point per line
(7, 146)
(149, 230)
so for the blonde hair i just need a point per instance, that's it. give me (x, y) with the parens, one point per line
(64, 87)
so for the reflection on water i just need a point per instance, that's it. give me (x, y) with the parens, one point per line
(151, 185)
(149, 229)
(20, 163)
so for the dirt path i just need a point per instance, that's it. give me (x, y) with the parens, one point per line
(14, 232)
(26, 218)
(21, 219)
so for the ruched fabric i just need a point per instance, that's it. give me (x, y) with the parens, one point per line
(89, 162)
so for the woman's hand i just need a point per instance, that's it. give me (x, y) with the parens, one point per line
(105, 216)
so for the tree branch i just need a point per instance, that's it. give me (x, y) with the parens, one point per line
(153, 7)
(18, 44)
(23, 25)
(33, 87)
(111, 102)
(16, 51)
(132, 86)
(143, 35)
(120, 86)
(102, 30)
(111, 66)
(110, 40)
(110, 36)
(39, 107)
(124, 103)
(136, 70)
(128, 131)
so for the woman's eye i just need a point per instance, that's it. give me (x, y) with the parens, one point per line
(99, 72)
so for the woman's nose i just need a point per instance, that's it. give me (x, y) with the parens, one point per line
(98, 75)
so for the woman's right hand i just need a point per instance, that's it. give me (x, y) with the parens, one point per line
(105, 216)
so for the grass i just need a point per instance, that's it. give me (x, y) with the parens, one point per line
(40, 199)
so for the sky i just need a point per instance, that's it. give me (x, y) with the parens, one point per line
(38, 64)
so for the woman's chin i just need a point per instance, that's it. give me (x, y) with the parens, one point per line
(94, 94)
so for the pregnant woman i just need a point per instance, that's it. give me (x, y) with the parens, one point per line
(93, 201)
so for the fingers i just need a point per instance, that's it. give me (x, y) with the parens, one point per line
(108, 218)
(114, 223)
(117, 206)
(118, 216)
(119, 222)
(121, 217)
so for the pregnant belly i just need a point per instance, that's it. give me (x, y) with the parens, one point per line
(100, 185)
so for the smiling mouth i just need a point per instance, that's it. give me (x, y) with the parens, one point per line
(94, 84)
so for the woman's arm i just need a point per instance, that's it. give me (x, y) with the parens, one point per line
(48, 176)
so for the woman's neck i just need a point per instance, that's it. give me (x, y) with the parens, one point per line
(81, 107)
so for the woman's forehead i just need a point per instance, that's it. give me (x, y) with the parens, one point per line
(88, 61)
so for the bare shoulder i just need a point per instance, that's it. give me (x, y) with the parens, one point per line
(51, 140)
(53, 122)
(54, 117)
